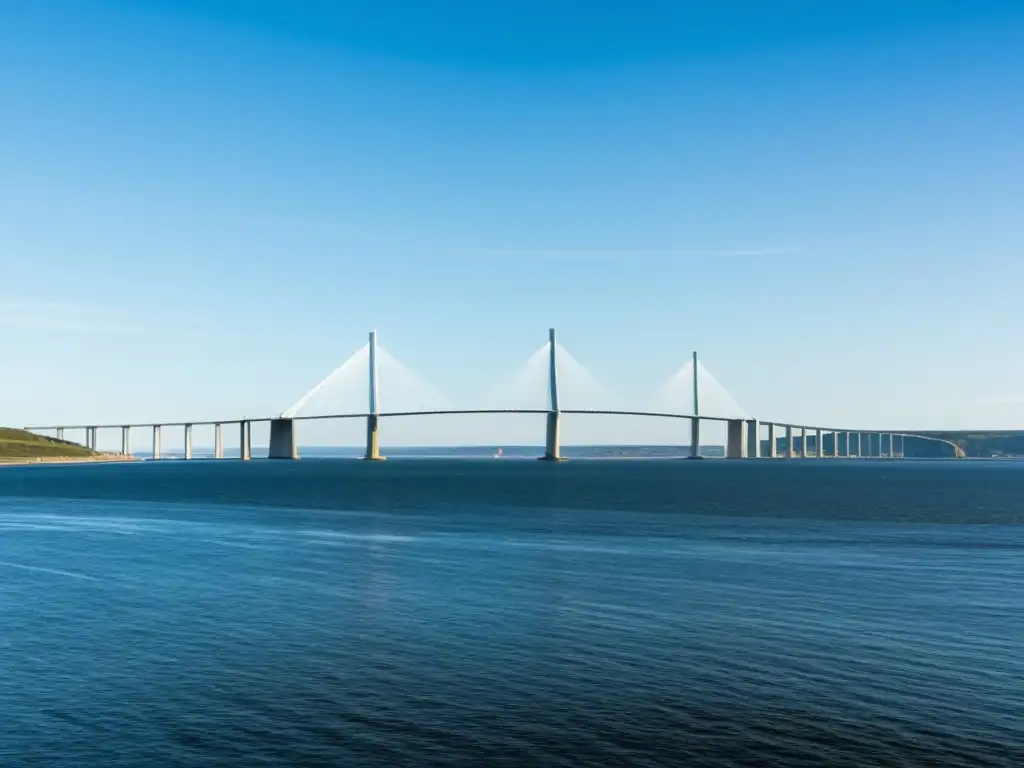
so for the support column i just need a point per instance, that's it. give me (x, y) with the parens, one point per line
(772, 450)
(244, 437)
(126, 446)
(835, 444)
(695, 421)
(803, 442)
(188, 441)
(790, 447)
(282, 439)
(60, 433)
(753, 439)
(372, 435)
(218, 442)
(735, 439)
(552, 432)
(819, 446)
(156, 441)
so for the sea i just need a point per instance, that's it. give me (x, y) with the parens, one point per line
(482, 612)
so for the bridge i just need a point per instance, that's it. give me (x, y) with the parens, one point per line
(746, 438)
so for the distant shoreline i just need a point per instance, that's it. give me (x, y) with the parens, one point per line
(102, 458)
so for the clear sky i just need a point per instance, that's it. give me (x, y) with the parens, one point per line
(206, 204)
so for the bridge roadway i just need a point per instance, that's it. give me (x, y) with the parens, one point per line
(744, 436)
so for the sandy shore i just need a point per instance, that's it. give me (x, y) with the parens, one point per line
(104, 457)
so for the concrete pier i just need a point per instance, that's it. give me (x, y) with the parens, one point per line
(126, 445)
(282, 439)
(790, 445)
(372, 421)
(835, 445)
(819, 446)
(60, 433)
(803, 442)
(244, 441)
(753, 439)
(188, 441)
(156, 441)
(772, 450)
(372, 439)
(553, 431)
(859, 445)
(735, 439)
(218, 441)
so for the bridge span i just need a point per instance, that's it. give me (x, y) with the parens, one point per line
(746, 438)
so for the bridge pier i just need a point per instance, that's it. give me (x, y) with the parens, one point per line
(372, 439)
(218, 442)
(244, 438)
(772, 451)
(188, 441)
(156, 441)
(282, 439)
(803, 442)
(790, 446)
(753, 439)
(126, 447)
(60, 433)
(553, 437)
(735, 439)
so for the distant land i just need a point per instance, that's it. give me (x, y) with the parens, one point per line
(977, 445)
(20, 447)
(983, 444)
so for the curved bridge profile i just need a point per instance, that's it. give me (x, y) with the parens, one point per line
(745, 437)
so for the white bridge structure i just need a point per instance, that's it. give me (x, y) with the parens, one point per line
(743, 435)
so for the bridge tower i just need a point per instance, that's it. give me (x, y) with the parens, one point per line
(552, 436)
(372, 436)
(695, 421)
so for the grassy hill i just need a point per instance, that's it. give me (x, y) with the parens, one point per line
(18, 445)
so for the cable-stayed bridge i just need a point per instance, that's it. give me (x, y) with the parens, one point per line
(373, 386)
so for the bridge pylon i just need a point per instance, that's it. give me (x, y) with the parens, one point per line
(372, 418)
(552, 435)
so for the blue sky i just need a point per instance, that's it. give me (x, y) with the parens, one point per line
(206, 205)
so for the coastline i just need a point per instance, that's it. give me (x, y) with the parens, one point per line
(101, 458)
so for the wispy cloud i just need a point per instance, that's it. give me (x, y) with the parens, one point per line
(623, 254)
(88, 319)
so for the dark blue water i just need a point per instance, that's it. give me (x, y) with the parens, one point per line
(647, 613)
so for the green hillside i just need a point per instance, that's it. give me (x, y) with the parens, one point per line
(18, 445)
